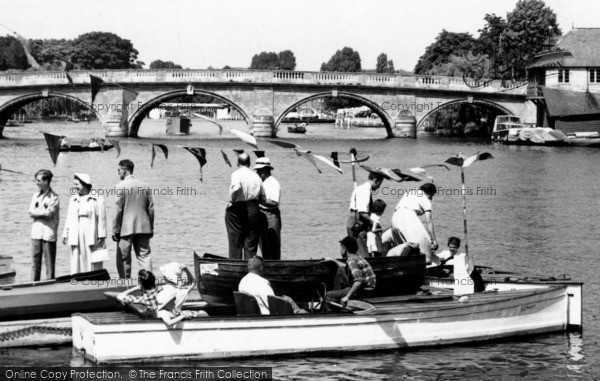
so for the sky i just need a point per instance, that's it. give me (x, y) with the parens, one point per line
(198, 34)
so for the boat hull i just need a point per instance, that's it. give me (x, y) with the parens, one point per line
(505, 281)
(76, 148)
(37, 332)
(219, 277)
(114, 337)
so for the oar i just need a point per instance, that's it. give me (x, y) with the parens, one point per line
(355, 306)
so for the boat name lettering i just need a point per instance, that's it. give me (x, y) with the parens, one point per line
(527, 308)
(209, 268)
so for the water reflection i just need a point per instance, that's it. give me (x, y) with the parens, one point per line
(576, 353)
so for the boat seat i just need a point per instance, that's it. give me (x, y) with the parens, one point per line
(245, 304)
(280, 306)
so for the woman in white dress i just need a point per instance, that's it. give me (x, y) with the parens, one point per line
(85, 227)
(407, 223)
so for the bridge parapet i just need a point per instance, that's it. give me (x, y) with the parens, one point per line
(260, 77)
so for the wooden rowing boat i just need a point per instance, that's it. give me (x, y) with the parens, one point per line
(394, 324)
(37, 313)
(7, 274)
(441, 277)
(219, 277)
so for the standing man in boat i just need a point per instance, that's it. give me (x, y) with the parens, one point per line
(361, 202)
(44, 210)
(134, 220)
(242, 216)
(355, 278)
(270, 239)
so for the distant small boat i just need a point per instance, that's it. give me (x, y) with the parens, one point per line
(298, 128)
(81, 148)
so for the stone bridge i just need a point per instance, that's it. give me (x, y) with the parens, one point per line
(263, 98)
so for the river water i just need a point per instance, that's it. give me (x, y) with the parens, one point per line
(531, 209)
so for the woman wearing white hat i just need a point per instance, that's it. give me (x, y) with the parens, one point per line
(85, 228)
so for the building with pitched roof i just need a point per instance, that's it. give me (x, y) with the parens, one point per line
(564, 83)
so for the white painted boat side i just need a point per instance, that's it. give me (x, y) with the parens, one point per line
(441, 324)
(37, 332)
(574, 291)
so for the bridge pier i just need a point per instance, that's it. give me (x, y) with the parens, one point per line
(263, 126)
(405, 127)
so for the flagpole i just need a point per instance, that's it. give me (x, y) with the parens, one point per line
(464, 199)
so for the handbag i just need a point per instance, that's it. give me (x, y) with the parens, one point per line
(99, 254)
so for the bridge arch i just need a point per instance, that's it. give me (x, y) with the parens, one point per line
(450, 103)
(387, 120)
(138, 116)
(12, 106)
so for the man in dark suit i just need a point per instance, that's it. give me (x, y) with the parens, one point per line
(134, 220)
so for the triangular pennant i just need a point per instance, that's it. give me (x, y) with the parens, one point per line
(163, 148)
(69, 78)
(153, 156)
(308, 156)
(329, 163)
(334, 158)
(53, 142)
(463, 161)
(128, 97)
(282, 144)
(259, 153)
(30, 60)
(117, 146)
(247, 138)
(200, 154)
(226, 158)
(96, 82)
(238, 151)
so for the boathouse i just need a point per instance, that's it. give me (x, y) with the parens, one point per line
(564, 83)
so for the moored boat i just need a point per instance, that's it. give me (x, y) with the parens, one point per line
(83, 148)
(297, 129)
(510, 129)
(497, 280)
(44, 306)
(393, 324)
(7, 274)
(219, 277)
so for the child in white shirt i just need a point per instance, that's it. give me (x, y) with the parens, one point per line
(374, 244)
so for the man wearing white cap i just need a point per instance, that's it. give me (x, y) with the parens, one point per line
(270, 239)
(242, 216)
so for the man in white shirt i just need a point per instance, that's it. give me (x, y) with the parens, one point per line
(44, 210)
(242, 216)
(360, 208)
(270, 239)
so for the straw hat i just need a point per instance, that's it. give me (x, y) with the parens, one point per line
(263, 162)
(84, 178)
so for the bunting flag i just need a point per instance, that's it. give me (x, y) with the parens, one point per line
(117, 146)
(164, 149)
(259, 154)
(30, 60)
(238, 151)
(308, 157)
(394, 174)
(128, 97)
(421, 170)
(226, 158)
(200, 154)
(96, 82)
(463, 161)
(329, 163)
(282, 144)
(53, 142)
(247, 138)
(67, 67)
(210, 120)
(334, 157)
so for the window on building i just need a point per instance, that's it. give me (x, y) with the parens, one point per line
(563, 75)
(594, 75)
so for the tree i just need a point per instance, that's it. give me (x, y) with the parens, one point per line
(158, 64)
(51, 53)
(12, 54)
(102, 50)
(343, 60)
(265, 61)
(444, 47)
(287, 60)
(529, 25)
(383, 65)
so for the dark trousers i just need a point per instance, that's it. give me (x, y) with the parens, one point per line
(141, 246)
(361, 237)
(243, 223)
(342, 285)
(270, 238)
(47, 249)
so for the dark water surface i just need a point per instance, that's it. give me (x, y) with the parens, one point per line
(531, 209)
